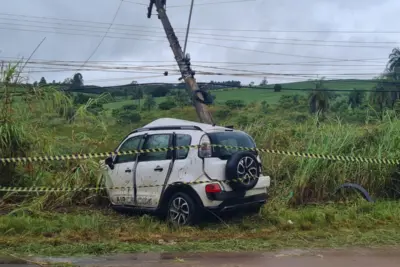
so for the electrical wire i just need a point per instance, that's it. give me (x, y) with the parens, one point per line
(199, 4)
(130, 30)
(105, 34)
(238, 38)
(201, 29)
(208, 44)
(313, 63)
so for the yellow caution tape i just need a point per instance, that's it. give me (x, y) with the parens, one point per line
(81, 189)
(89, 155)
(270, 151)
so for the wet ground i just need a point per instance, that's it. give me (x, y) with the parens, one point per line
(297, 258)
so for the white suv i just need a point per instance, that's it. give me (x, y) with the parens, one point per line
(180, 184)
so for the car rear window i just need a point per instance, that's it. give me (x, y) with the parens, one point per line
(235, 139)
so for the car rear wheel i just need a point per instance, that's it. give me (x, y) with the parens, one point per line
(182, 210)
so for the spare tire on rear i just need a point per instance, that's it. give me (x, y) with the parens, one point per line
(242, 166)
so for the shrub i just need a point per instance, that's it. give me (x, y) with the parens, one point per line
(167, 105)
(129, 117)
(129, 107)
(277, 88)
(235, 104)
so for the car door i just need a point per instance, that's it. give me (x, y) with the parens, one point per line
(152, 170)
(120, 178)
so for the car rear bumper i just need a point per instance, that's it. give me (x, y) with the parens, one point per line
(236, 200)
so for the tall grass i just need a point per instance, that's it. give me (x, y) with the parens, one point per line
(45, 122)
(316, 180)
(29, 127)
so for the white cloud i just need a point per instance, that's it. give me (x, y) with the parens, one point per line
(261, 18)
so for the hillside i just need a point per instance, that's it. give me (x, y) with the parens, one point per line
(258, 94)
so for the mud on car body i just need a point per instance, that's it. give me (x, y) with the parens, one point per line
(188, 181)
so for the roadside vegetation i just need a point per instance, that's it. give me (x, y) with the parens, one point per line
(56, 119)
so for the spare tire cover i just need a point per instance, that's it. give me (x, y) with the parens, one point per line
(242, 165)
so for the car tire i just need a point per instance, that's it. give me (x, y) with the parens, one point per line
(182, 210)
(240, 165)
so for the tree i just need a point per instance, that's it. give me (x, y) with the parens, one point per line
(251, 84)
(277, 88)
(380, 97)
(264, 82)
(67, 81)
(392, 74)
(137, 94)
(319, 98)
(149, 103)
(180, 97)
(42, 81)
(393, 65)
(77, 80)
(81, 99)
(356, 98)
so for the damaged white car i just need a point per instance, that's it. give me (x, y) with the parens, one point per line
(181, 184)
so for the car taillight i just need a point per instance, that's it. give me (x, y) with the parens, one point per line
(213, 188)
(205, 149)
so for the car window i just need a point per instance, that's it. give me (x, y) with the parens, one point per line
(234, 139)
(130, 144)
(182, 140)
(156, 141)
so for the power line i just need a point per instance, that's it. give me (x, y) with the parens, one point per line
(182, 32)
(198, 4)
(242, 39)
(105, 34)
(206, 29)
(57, 65)
(214, 3)
(208, 44)
(136, 67)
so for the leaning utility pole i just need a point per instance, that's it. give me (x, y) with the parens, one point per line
(183, 61)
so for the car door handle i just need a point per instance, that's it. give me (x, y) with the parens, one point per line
(158, 169)
(128, 170)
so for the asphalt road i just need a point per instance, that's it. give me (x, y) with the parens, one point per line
(297, 258)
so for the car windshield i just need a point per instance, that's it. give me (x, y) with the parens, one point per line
(234, 139)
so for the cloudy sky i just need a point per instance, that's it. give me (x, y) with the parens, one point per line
(250, 38)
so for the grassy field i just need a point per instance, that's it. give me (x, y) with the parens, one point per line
(246, 94)
(101, 231)
(41, 124)
(249, 95)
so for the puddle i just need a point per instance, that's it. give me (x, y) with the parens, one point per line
(5, 259)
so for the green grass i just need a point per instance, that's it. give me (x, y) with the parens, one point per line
(249, 95)
(98, 232)
(343, 84)
(39, 125)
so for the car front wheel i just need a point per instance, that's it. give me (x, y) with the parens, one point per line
(182, 210)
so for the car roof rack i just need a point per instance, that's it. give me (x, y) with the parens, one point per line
(160, 128)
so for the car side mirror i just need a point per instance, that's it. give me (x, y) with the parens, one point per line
(110, 163)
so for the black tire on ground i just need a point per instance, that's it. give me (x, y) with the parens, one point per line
(242, 164)
(182, 210)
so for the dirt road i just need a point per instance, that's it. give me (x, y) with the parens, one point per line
(298, 258)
